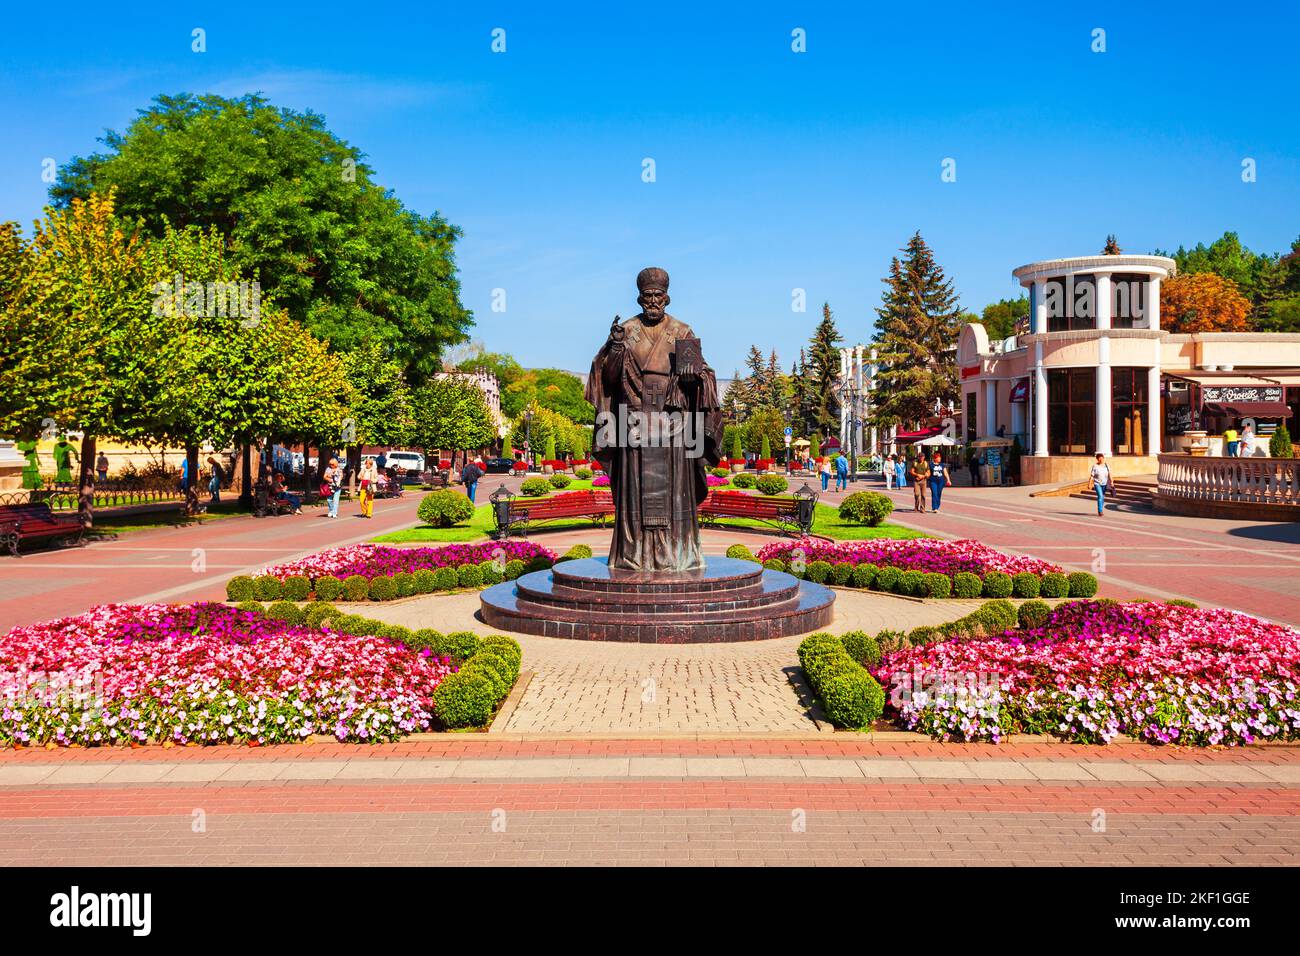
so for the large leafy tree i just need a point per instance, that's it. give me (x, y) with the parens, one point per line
(552, 388)
(1203, 302)
(1226, 257)
(1001, 318)
(301, 213)
(765, 424)
(824, 369)
(451, 414)
(916, 334)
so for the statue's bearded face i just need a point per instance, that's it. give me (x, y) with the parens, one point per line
(653, 302)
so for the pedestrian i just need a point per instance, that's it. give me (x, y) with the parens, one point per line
(381, 462)
(369, 479)
(887, 466)
(469, 476)
(332, 486)
(939, 479)
(185, 473)
(973, 463)
(1247, 448)
(900, 472)
(101, 467)
(1230, 441)
(841, 474)
(825, 468)
(214, 483)
(920, 477)
(1099, 481)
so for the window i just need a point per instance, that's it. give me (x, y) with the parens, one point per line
(1129, 411)
(1071, 303)
(972, 416)
(1071, 410)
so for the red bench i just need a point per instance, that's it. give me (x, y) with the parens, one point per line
(32, 521)
(777, 510)
(523, 513)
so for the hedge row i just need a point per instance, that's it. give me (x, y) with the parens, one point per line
(357, 587)
(851, 697)
(489, 666)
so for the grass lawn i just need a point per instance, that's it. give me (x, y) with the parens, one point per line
(107, 524)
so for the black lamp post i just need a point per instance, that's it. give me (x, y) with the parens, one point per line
(500, 500)
(805, 501)
(528, 437)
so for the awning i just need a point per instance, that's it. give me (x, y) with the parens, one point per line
(1020, 391)
(1248, 409)
(918, 435)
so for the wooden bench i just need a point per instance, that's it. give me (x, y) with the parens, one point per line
(779, 511)
(435, 479)
(523, 513)
(265, 503)
(31, 521)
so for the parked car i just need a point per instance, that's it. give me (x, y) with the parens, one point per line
(406, 462)
(499, 466)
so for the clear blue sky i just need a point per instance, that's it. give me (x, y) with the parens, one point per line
(775, 170)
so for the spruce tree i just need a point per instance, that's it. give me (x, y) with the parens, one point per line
(916, 338)
(824, 357)
(1112, 246)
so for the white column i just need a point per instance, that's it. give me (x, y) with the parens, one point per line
(1103, 405)
(1101, 286)
(1038, 298)
(1040, 438)
(990, 407)
(1155, 426)
(1153, 303)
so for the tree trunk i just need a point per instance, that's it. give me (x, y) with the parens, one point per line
(86, 495)
(354, 466)
(192, 482)
(246, 477)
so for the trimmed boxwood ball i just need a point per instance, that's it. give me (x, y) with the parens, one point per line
(866, 507)
(966, 584)
(743, 479)
(316, 614)
(427, 637)
(1054, 585)
(887, 578)
(1026, 584)
(538, 562)
(862, 647)
(266, 587)
(356, 587)
(444, 508)
(578, 552)
(854, 700)
(383, 588)
(771, 484)
(464, 700)
(469, 576)
(891, 641)
(405, 583)
(740, 553)
(1033, 614)
(819, 571)
(842, 572)
(583, 474)
(487, 661)
(461, 645)
(295, 588)
(774, 564)
(911, 582)
(1082, 584)
(426, 582)
(489, 571)
(920, 636)
(254, 607)
(936, 585)
(997, 584)
(328, 588)
(534, 487)
(814, 643)
(514, 568)
(505, 647)
(403, 635)
(996, 616)
(864, 575)
(239, 588)
(444, 579)
(559, 480)
(1180, 602)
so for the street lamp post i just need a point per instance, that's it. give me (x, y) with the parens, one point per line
(528, 437)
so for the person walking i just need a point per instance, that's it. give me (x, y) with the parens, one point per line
(469, 476)
(939, 479)
(841, 474)
(900, 472)
(920, 478)
(214, 483)
(368, 478)
(1230, 441)
(887, 468)
(1247, 448)
(824, 469)
(332, 485)
(1099, 482)
(101, 467)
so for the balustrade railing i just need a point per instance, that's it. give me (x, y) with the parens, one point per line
(1270, 481)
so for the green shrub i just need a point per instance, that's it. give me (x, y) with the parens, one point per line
(864, 575)
(936, 585)
(578, 552)
(426, 582)
(253, 607)
(353, 624)
(356, 587)
(240, 588)
(469, 576)
(1082, 584)
(1180, 602)
(798, 569)
(966, 584)
(862, 647)
(490, 571)
(997, 584)
(1026, 584)
(740, 553)
(559, 480)
(1054, 585)
(267, 587)
(1033, 614)
(427, 637)
(866, 507)
(819, 571)
(842, 572)
(774, 564)
(891, 641)
(816, 643)
(328, 588)
(1279, 443)
(444, 579)
(720, 472)
(771, 484)
(460, 645)
(382, 588)
(854, 700)
(317, 614)
(911, 582)
(887, 578)
(514, 568)
(496, 670)
(403, 635)
(285, 611)
(995, 616)
(538, 562)
(534, 487)
(295, 587)
(405, 583)
(464, 700)
(583, 474)
(920, 636)
(743, 479)
(444, 508)
(506, 647)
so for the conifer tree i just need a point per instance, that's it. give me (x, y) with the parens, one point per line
(824, 357)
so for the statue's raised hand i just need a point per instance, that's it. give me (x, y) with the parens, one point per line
(616, 333)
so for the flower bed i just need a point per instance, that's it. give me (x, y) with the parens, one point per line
(1096, 670)
(921, 554)
(207, 673)
(716, 481)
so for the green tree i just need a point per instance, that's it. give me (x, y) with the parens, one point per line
(451, 414)
(824, 358)
(763, 429)
(552, 388)
(916, 336)
(1228, 258)
(1001, 319)
(301, 213)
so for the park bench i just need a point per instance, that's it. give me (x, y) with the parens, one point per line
(435, 479)
(32, 521)
(523, 513)
(264, 503)
(779, 511)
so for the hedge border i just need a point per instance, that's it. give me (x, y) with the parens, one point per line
(244, 587)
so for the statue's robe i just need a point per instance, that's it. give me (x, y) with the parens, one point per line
(656, 489)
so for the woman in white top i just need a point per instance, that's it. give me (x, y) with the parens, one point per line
(1247, 446)
(1099, 481)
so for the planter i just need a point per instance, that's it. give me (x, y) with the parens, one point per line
(547, 470)
(737, 469)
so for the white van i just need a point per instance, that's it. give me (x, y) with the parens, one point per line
(410, 462)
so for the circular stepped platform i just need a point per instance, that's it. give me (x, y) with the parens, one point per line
(727, 600)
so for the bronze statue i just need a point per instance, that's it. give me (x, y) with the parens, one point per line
(658, 429)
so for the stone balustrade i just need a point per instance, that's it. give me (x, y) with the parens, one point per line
(1245, 481)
